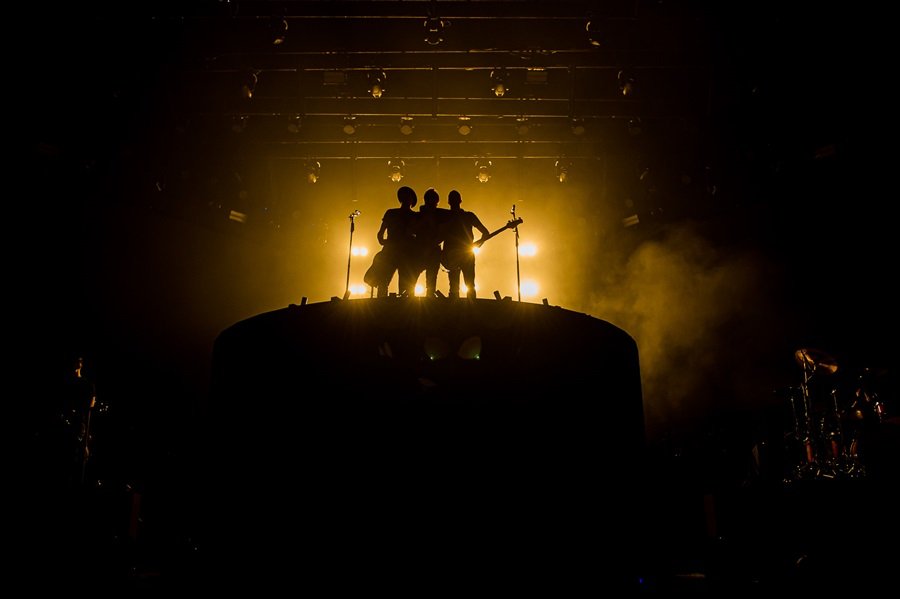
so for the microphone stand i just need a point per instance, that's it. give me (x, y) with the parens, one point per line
(352, 218)
(518, 276)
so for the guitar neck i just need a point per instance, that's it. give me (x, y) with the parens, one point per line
(493, 233)
(510, 225)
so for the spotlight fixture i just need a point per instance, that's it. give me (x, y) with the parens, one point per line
(635, 126)
(434, 30)
(295, 124)
(484, 171)
(312, 170)
(522, 125)
(396, 166)
(577, 126)
(627, 82)
(238, 124)
(499, 82)
(562, 170)
(248, 87)
(349, 125)
(464, 128)
(279, 27)
(592, 28)
(376, 83)
(406, 125)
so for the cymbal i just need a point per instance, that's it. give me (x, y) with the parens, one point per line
(816, 359)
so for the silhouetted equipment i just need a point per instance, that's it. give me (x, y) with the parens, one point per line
(428, 437)
(816, 360)
(825, 441)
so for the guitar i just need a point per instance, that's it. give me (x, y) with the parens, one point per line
(381, 271)
(456, 258)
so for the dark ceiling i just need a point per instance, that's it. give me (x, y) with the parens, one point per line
(565, 64)
(736, 90)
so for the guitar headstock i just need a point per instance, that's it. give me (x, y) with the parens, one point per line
(512, 224)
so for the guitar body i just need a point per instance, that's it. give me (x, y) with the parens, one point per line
(380, 272)
(456, 258)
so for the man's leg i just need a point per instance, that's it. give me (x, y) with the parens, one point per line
(453, 274)
(468, 271)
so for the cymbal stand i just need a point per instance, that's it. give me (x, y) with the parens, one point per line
(804, 432)
(835, 434)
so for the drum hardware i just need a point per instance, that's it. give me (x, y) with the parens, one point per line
(817, 428)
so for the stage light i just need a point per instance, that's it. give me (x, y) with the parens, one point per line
(592, 28)
(238, 124)
(522, 125)
(464, 128)
(406, 125)
(635, 126)
(248, 87)
(350, 125)
(279, 27)
(528, 249)
(312, 170)
(376, 83)
(562, 170)
(499, 82)
(295, 124)
(397, 167)
(627, 81)
(359, 251)
(484, 170)
(577, 126)
(434, 30)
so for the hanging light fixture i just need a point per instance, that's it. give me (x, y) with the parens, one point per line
(434, 30)
(484, 170)
(577, 126)
(295, 124)
(594, 36)
(627, 81)
(464, 128)
(635, 125)
(562, 169)
(406, 125)
(239, 123)
(279, 27)
(522, 125)
(499, 82)
(312, 170)
(376, 83)
(248, 86)
(397, 167)
(349, 125)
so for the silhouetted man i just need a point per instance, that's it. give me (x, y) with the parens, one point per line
(458, 254)
(398, 253)
(428, 232)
